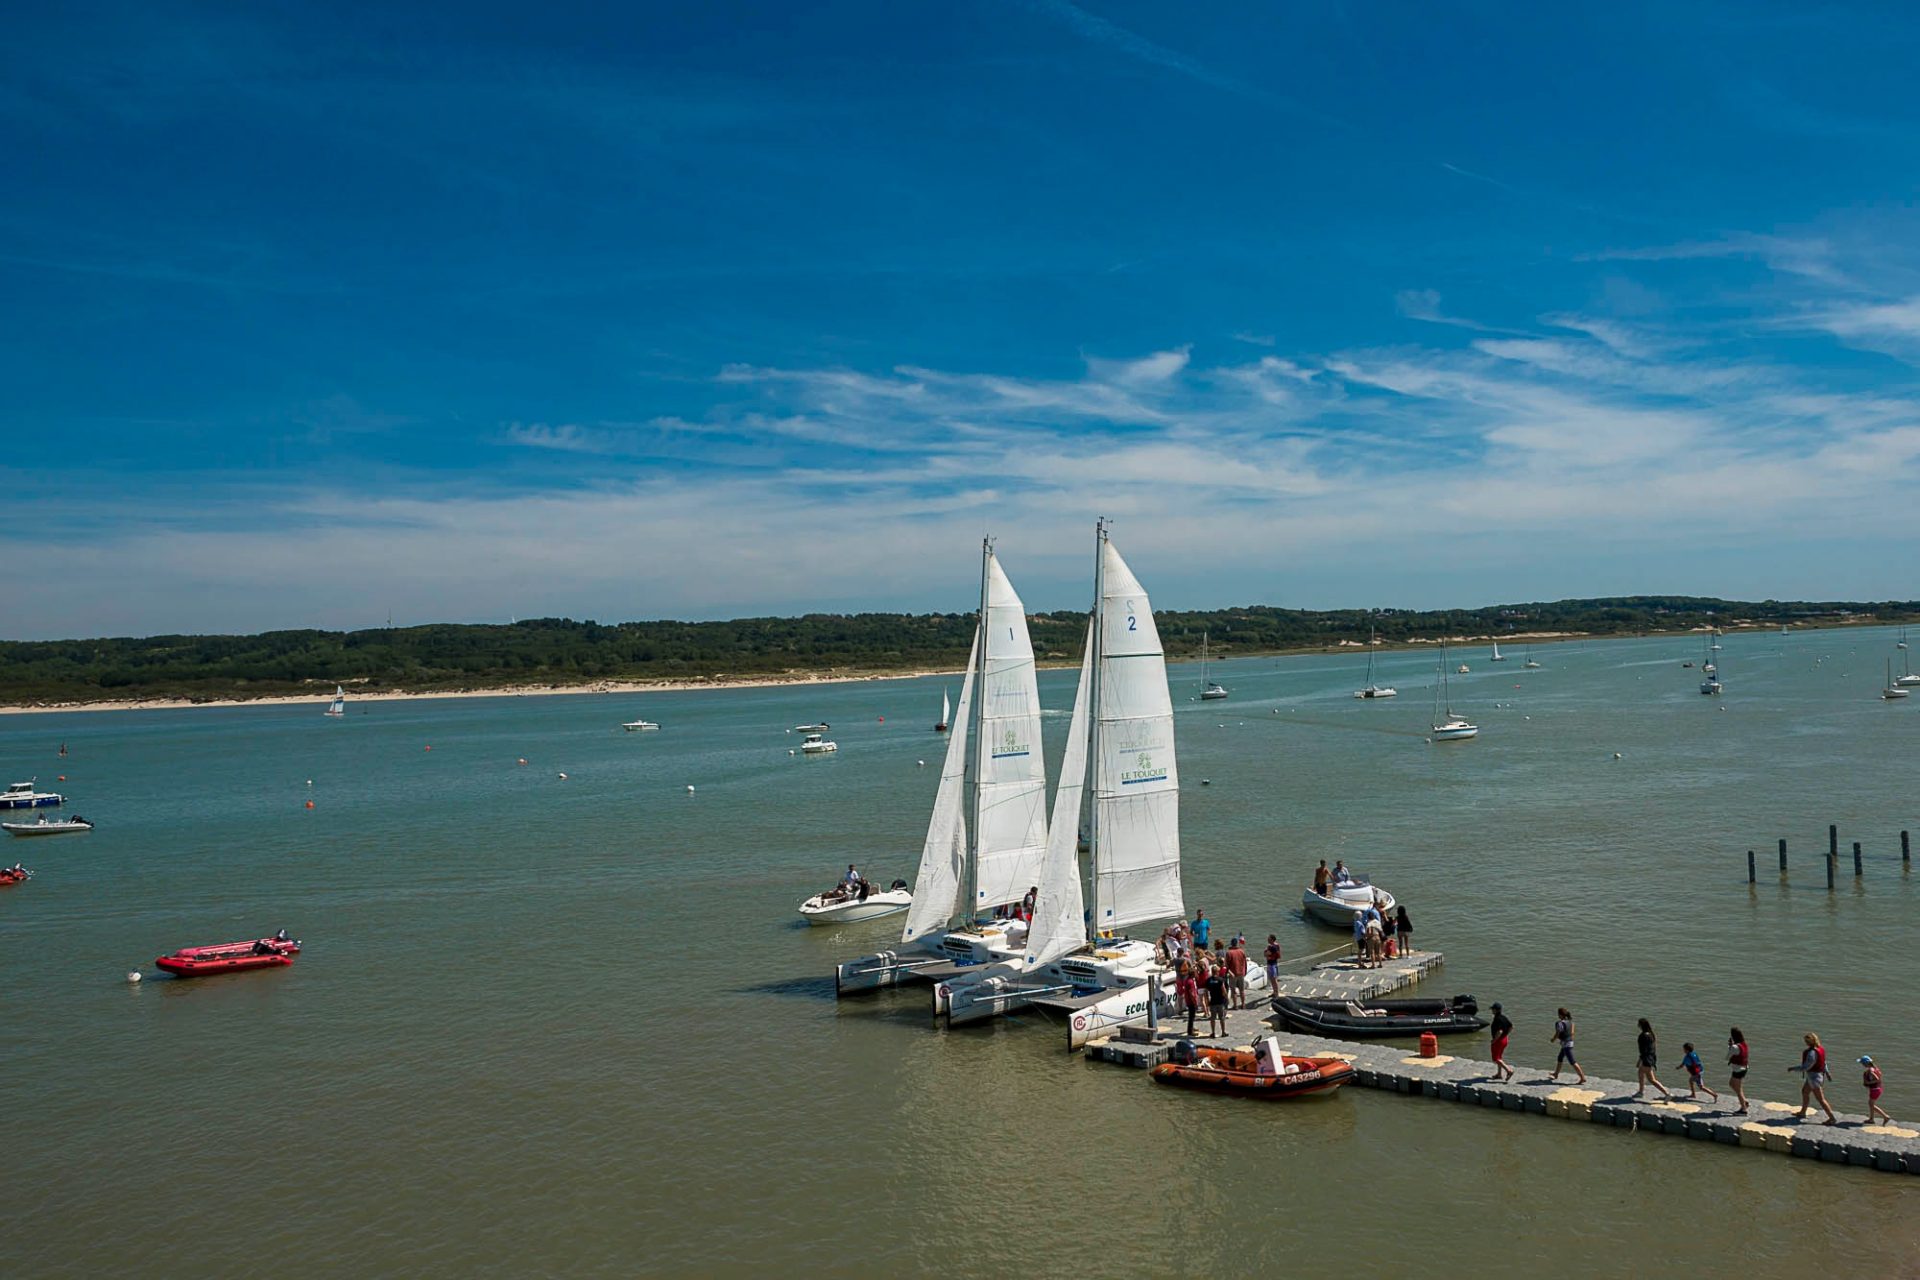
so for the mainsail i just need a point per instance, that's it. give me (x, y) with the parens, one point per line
(1059, 912)
(937, 889)
(1136, 786)
(1010, 776)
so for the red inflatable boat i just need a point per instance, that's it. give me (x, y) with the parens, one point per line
(9, 876)
(1230, 1071)
(230, 957)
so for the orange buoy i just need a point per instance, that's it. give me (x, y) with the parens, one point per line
(429, 748)
(309, 804)
(63, 777)
(883, 719)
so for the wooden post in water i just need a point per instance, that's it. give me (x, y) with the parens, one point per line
(1831, 859)
(1783, 857)
(1856, 859)
(1833, 842)
(1749, 866)
(1906, 855)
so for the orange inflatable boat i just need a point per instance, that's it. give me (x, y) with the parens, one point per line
(1236, 1071)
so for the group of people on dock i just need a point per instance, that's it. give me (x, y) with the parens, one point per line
(1377, 939)
(1812, 1068)
(1210, 973)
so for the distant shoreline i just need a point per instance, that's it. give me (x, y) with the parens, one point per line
(718, 682)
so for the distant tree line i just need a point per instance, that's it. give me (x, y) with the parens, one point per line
(560, 651)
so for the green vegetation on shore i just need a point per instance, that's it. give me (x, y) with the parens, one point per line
(561, 652)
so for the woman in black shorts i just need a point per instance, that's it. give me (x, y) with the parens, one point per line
(1649, 1059)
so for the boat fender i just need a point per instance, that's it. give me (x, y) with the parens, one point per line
(133, 975)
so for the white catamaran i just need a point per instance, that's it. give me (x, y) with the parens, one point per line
(1120, 748)
(972, 872)
(338, 707)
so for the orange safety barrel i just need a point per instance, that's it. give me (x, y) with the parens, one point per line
(1429, 1045)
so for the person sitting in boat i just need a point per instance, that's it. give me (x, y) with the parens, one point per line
(866, 887)
(263, 947)
(282, 936)
(1340, 873)
(851, 879)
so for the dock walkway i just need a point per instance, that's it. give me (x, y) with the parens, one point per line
(1893, 1148)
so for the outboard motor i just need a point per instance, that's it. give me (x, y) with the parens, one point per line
(1182, 1053)
(1465, 1004)
(897, 884)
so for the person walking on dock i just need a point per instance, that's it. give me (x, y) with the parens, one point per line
(1813, 1079)
(1696, 1071)
(1737, 1068)
(1872, 1078)
(1649, 1059)
(1502, 1030)
(1563, 1036)
(1273, 964)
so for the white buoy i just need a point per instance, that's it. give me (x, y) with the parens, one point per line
(1206, 782)
(563, 777)
(789, 752)
(690, 785)
(133, 975)
(1616, 755)
(309, 781)
(920, 764)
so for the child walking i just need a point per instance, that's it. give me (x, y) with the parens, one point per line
(1563, 1036)
(1871, 1078)
(1696, 1070)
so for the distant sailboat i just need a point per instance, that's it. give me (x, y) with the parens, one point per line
(1452, 727)
(1373, 690)
(338, 707)
(1711, 685)
(946, 713)
(1892, 689)
(1496, 653)
(1906, 676)
(1530, 663)
(1209, 691)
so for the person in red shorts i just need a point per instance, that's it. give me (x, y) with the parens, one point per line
(1502, 1028)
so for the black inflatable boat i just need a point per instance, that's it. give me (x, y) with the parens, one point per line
(1377, 1019)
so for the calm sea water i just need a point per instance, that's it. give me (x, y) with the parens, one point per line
(573, 1026)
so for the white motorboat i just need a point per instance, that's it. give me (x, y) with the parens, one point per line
(814, 745)
(1209, 690)
(48, 826)
(1463, 668)
(1497, 655)
(844, 905)
(971, 873)
(338, 707)
(1892, 688)
(638, 726)
(21, 795)
(1373, 690)
(822, 727)
(1449, 726)
(1120, 747)
(1336, 906)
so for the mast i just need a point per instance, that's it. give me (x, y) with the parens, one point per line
(1097, 645)
(980, 743)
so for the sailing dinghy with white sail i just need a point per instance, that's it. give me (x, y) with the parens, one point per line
(972, 873)
(1120, 746)
(338, 707)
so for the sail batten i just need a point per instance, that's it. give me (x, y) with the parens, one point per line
(938, 891)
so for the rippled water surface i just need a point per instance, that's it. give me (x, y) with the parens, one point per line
(573, 1026)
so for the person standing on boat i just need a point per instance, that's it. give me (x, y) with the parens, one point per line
(1026, 903)
(1648, 1048)
(1737, 1068)
(1813, 1079)
(1322, 878)
(1502, 1030)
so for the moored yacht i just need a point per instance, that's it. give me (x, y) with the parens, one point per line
(1373, 690)
(21, 795)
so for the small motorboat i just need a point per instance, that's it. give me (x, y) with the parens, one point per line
(48, 826)
(822, 727)
(844, 905)
(21, 795)
(817, 745)
(231, 957)
(637, 726)
(1377, 1019)
(1336, 906)
(13, 875)
(1249, 1073)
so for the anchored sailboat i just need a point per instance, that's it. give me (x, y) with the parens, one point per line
(1209, 691)
(946, 713)
(1711, 685)
(1496, 653)
(338, 707)
(1120, 748)
(1892, 688)
(1373, 690)
(971, 872)
(1452, 727)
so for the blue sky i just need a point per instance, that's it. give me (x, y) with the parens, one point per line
(314, 313)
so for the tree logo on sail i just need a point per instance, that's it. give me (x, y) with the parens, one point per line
(1010, 745)
(1143, 771)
